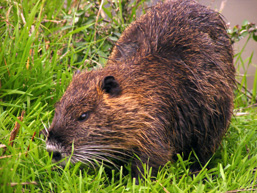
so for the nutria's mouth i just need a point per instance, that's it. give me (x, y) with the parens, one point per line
(89, 155)
(57, 152)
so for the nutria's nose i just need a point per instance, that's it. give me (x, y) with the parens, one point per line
(57, 156)
(52, 149)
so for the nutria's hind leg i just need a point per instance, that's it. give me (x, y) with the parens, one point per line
(206, 145)
(136, 170)
(198, 162)
(202, 153)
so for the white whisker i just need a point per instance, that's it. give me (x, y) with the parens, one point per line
(100, 154)
(84, 160)
(45, 128)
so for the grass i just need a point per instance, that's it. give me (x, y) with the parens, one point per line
(43, 44)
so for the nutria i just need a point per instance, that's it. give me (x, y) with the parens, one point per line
(167, 89)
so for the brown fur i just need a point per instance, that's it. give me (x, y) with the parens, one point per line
(170, 91)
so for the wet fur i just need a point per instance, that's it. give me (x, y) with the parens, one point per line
(171, 78)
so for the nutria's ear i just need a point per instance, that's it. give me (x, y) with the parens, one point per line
(111, 86)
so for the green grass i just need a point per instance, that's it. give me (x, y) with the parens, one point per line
(43, 44)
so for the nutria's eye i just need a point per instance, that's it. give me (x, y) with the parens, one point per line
(83, 116)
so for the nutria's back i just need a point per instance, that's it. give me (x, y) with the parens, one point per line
(167, 89)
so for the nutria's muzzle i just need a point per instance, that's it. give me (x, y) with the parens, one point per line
(55, 151)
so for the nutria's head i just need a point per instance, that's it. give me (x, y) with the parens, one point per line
(99, 119)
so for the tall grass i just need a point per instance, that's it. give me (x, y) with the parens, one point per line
(43, 44)
(244, 96)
